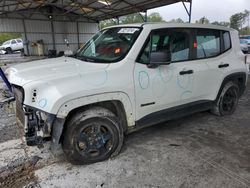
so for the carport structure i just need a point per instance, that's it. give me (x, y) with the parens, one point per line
(53, 21)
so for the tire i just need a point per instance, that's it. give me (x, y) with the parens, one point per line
(8, 50)
(92, 136)
(227, 101)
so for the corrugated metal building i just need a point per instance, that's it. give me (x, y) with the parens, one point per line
(52, 32)
(53, 21)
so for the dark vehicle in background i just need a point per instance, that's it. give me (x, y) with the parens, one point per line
(247, 38)
(244, 46)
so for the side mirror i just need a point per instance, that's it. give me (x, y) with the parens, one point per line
(159, 58)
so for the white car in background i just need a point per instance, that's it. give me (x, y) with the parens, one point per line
(12, 45)
(244, 46)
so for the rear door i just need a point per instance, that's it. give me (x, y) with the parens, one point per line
(213, 49)
(19, 44)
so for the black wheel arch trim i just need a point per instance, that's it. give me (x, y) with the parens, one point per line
(239, 77)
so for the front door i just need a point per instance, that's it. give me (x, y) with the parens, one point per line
(167, 85)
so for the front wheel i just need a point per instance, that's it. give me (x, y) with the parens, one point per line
(8, 50)
(227, 101)
(94, 136)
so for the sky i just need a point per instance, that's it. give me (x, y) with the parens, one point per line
(214, 10)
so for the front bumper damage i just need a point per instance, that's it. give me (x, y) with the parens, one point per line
(38, 125)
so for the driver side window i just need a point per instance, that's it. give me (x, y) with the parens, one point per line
(155, 43)
(173, 42)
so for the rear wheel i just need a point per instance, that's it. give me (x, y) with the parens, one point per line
(92, 136)
(228, 100)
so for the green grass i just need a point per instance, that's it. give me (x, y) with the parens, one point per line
(7, 36)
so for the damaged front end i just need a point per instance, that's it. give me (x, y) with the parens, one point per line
(36, 123)
(37, 126)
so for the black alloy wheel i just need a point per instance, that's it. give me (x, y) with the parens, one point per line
(229, 101)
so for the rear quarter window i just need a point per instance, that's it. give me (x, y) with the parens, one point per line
(227, 40)
(19, 41)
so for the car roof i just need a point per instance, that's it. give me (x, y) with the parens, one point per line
(175, 25)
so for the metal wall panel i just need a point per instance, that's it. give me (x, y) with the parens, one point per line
(85, 37)
(88, 27)
(62, 47)
(34, 37)
(42, 30)
(65, 27)
(11, 25)
(72, 38)
(38, 26)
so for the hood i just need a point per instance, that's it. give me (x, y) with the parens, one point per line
(50, 69)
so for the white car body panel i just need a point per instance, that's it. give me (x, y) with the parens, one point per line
(63, 84)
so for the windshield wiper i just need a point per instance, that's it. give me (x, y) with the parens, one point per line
(85, 58)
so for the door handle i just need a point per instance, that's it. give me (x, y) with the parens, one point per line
(186, 72)
(223, 65)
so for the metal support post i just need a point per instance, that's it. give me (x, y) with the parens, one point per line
(146, 16)
(78, 36)
(53, 34)
(189, 12)
(26, 38)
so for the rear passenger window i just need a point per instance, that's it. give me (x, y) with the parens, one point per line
(208, 43)
(19, 41)
(227, 41)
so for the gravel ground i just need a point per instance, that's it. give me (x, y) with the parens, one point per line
(8, 126)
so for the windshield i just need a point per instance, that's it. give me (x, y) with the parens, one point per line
(110, 45)
(6, 43)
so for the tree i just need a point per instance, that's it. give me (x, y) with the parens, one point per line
(7, 36)
(225, 24)
(155, 17)
(178, 20)
(202, 20)
(237, 20)
(132, 18)
(107, 23)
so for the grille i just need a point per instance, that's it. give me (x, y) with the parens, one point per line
(19, 96)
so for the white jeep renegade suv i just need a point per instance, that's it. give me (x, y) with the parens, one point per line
(127, 77)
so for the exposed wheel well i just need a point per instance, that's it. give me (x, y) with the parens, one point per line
(238, 78)
(114, 106)
(8, 49)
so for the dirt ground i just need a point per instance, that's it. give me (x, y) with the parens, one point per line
(201, 150)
